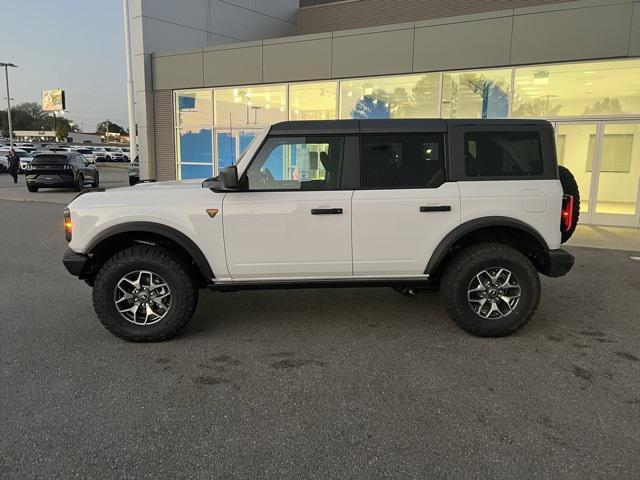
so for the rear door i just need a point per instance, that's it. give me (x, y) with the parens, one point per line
(404, 206)
(292, 218)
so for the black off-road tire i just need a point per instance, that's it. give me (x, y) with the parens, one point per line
(176, 272)
(32, 188)
(462, 270)
(570, 187)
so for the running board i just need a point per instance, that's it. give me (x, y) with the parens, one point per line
(421, 281)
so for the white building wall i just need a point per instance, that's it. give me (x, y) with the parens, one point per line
(169, 25)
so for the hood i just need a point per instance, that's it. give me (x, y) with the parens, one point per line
(168, 185)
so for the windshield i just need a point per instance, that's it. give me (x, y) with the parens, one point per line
(22, 154)
(84, 151)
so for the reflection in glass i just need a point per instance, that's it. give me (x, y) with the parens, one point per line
(195, 171)
(194, 108)
(619, 169)
(406, 96)
(313, 101)
(195, 145)
(250, 106)
(579, 89)
(476, 94)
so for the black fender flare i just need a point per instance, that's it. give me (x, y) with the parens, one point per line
(440, 253)
(159, 229)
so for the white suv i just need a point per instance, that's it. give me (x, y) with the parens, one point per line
(476, 208)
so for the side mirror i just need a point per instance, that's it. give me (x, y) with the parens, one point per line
(229, 177)
(225, 181)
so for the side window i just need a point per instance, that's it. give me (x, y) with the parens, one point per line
(297, 163)
(402, 161)
(502, 154)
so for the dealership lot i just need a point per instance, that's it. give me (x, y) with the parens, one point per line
(111, 176)
(314, 384)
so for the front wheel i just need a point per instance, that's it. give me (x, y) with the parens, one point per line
(32, 188)
(145, 294)
(490, 290)
(96, 180)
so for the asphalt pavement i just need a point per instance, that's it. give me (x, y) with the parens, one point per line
(314, 384)
(111, 175)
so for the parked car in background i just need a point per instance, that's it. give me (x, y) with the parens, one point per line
(24, 156)
(99, 154)
(87, 153)
(126, 151)
(114, 154)
(61, 169)
(134, 172)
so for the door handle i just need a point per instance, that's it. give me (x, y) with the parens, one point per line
(435, 208)
(326, 211)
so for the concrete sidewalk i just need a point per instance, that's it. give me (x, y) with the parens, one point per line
(610, 238)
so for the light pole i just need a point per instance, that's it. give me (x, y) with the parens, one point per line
(6, 76)
(133, 144)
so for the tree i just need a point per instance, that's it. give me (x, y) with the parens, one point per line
(29, 116)
(113, 127)
(607, 106)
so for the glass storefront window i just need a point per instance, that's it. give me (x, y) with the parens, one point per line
(578, 89)
(195, 147)
(250, 106)
(194, 108)
(188, 171)
(476, 94)
(313, 101)
(406, 96)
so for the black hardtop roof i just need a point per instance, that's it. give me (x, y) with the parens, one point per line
(400, 125)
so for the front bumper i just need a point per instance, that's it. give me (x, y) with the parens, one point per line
(77, 264)
(556, 263)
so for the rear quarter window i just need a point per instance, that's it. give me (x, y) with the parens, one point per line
(503, 154)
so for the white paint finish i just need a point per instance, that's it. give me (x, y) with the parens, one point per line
(503, 198)
(481, 43)
(233, 67)
(274, 235)
(390, 234)
(572, 34)
(179, 205)
(373, 54)
(297, 60)
(534, 201)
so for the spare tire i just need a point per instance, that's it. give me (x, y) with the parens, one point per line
(570, 187)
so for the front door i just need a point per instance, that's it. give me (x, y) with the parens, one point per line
(404, 207)
(291, 219)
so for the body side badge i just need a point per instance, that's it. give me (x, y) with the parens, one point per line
(212, 212)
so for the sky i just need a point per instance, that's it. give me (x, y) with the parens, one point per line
(76, 45)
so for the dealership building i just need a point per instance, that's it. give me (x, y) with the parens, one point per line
(210, 74)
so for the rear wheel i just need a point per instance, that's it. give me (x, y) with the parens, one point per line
(145, 294)
(79, 184)
(570, 187)
(490, 290)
